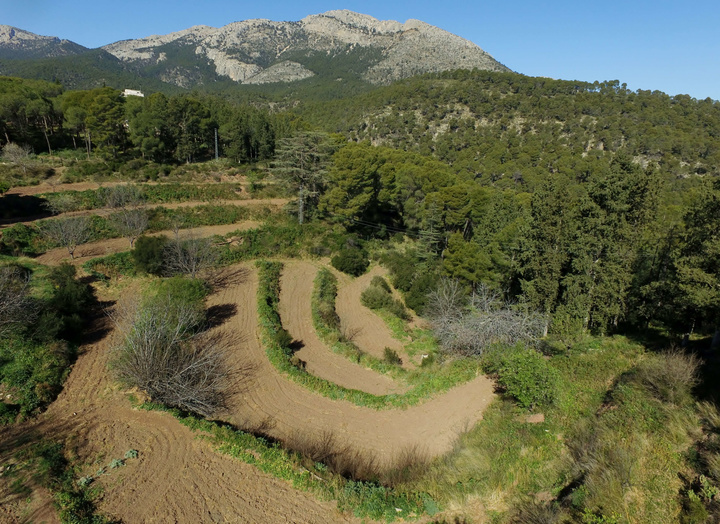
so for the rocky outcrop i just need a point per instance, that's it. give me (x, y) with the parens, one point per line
(261, 51)
(18, 44)
(285, 71)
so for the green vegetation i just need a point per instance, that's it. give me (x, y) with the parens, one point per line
(426, 382)
(566, 215)
(42, 315)
(44, 463)
(379, 296)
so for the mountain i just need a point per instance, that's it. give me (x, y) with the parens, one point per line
(18, 44)
(330, 47)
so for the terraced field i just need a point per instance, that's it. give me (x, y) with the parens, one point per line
(180, 479)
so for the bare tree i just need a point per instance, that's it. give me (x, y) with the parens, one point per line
(68, 232)
(189, 256)
(17, 155)
(130, 219)
(467, 325)
(163, 353)
(16, 305)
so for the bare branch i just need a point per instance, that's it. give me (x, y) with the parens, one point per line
(68, 233)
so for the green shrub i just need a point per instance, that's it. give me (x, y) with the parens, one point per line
(524, 374)
(351, 260)
(69, 302)
(148, 254)
(324, 294)
(378, 296)
(113, 265)
(391, 357)
(8, 413)
(20, 240)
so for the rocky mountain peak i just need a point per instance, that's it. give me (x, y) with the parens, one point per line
(17, 43)
(261, 50)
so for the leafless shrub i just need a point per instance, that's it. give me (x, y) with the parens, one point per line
(189, 256)
(16, 306)
(349, 334)
(123, 196)
(130, 219)
(67, 232)
(467, 325)
(17, 155)
(130, 222)
(339, 458)
(61, 203)
(162, 353)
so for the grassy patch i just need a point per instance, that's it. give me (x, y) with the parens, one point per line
(46, 464)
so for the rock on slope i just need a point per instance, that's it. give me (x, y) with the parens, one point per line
(18, 44)
(261, 51)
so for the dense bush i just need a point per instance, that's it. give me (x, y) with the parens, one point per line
(148, 254)
(524, 374)
(324, 299)
(20, 240)
(351, 260)
(33, 372)
(413, 277)
(68, 305)
(379, 296)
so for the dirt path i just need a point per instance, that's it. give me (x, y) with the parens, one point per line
(284, 409)
(117, 245)
(296, 287)
(369, 331)
(176, 478)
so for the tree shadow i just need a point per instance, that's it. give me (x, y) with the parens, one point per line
(219, 314)
(296, 345)
(220, 280)
(22, 208)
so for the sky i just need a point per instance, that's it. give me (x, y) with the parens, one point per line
(670, 46)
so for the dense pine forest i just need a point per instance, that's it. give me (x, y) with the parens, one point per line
(563, 234)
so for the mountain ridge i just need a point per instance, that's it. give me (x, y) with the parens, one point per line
(257, 51)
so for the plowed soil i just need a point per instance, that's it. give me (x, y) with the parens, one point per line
(285, 409)
(296, 285)
(176, 478)
(367, 329)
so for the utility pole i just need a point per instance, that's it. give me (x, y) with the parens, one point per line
(216, 145)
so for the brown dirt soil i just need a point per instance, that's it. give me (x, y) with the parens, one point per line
(284, 409)
(296, 287)
(117, 245)
(176, 477)
(368, 330)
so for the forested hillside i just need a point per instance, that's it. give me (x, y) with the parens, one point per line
(562, 238)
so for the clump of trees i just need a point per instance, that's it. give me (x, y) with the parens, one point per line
(165, 350)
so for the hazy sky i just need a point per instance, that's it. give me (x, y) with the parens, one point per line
(671, 46)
